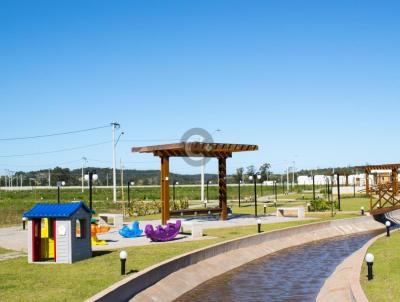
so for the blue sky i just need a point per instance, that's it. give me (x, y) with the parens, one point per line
(316, 82)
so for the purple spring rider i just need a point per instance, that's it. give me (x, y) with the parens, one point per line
(163, 234)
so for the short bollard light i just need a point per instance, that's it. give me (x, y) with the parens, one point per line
(122, 257)
(259, 225)
(265, 209)
(362, 211)
(388, 225)
(369, 258)
(24, 219)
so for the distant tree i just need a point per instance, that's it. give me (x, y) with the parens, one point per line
(250, 170)
(264, 170)
(239, 174)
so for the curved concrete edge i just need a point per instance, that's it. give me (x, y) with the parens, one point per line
(344, 283)
(155, 282)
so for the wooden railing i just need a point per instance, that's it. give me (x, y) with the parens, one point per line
(387, 199)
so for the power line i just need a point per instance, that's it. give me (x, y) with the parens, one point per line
(55, 151)
(53, 134)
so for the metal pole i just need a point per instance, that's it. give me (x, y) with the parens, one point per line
(58, 194)
(313, 186)
(255, 195)
(207, 190)
(338, 190)
(287, 177)
(129, 195)
(90, 188)
(114, 125)
(239, 190)
(202, 181)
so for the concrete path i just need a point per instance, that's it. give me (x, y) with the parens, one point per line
(14, 238)
(12, 255)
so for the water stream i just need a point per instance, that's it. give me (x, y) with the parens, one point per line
(294, 274)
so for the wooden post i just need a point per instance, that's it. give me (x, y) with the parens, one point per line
(164, 190)
(367, 181)
(222, 187)
(395, 181)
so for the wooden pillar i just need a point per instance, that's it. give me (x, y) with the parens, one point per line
(164, 190)
(367, 182)
(222, 187)
(395, 181)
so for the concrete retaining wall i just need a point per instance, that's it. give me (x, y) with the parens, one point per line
(187, 271)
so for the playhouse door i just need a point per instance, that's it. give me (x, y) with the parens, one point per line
(36, 239)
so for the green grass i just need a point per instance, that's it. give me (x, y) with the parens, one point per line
(4, 251)
(20, 281)
(385, 285)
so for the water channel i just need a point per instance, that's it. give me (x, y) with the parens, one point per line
(294, 274)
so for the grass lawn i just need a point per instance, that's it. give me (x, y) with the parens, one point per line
(20, 281)
(4, 251)
(385, 285)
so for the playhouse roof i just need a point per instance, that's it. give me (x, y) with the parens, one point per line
(54, 210)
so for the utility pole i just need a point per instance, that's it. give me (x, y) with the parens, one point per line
(49, 178)
(84, 159)
(294, 164)
(287, 177)
(114, 125)
(122, 179)
(202, 180)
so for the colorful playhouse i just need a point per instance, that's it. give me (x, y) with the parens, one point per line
(59, 232)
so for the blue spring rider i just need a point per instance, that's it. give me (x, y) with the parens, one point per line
(131, 233)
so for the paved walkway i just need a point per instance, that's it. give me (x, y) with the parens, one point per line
(14, 238)
(11, 255)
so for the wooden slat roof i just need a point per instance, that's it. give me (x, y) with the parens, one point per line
(379, 167)
(193, 149)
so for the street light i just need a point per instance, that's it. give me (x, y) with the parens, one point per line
(59, 184)
(175, 183)
(254, 179)
(369, 258)
(91, 176)
(130, 183)
(388, 225)
(122, 256)
(239, 182)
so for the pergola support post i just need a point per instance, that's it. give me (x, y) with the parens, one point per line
(395, 182)
(222, 187)
(367, 181)
(164, 190)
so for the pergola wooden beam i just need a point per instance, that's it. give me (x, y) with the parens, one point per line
(194, 149)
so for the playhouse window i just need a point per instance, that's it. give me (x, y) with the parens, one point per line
(80, 228)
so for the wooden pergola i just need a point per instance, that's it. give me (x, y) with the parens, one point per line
(392, 167)
(194, 149)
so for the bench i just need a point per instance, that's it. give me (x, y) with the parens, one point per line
(195, 212)
(117, 220)
(291, 212)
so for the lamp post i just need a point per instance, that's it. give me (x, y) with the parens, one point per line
(369, 258)
(388, 225)
(338, 190)
(122, 256)
(265, 209)
(59, 184)
(259, 225)
(239, 182)
(91, 176)
(362, 211)
(254, 179)
(24, 219)
(173, 189)
(130, 183)
(276, 192)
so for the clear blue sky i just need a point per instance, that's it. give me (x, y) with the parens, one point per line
(312, 81)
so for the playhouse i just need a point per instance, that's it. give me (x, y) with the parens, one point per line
(59, 233)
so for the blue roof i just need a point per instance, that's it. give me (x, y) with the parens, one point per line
(55, 210)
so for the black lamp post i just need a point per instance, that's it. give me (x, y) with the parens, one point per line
(173, 189)
(122, 256)
(369, 258)
(254, 179)
(239, 182)
(91, 176)
(313, 186)
(338, 190)
(388, 225)
(59, 184)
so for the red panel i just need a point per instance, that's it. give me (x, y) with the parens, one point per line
(36, 237)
